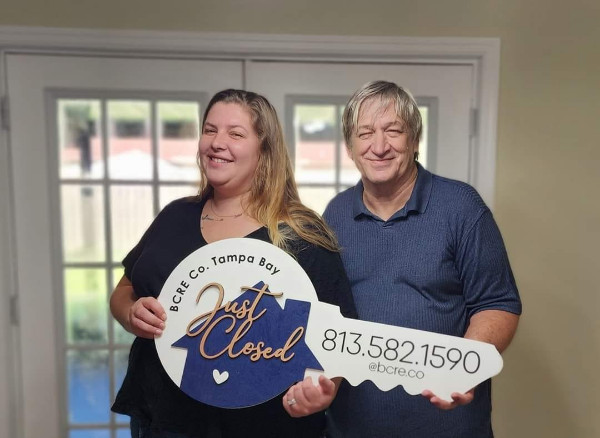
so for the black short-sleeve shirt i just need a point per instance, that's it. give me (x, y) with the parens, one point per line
(147, 391)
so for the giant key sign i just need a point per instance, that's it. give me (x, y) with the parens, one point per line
(244, 324)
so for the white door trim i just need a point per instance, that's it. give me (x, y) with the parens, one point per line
(482, 53)
(10, 392)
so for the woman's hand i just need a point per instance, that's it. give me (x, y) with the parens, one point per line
(304, 398)
(146, 318)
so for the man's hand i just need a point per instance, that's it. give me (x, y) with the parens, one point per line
(458, 399)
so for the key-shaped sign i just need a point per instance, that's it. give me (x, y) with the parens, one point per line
(244, 323)
(391, 356)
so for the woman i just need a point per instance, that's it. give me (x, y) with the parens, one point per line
(246, 190)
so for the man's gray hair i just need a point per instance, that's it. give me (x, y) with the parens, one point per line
(386, 93)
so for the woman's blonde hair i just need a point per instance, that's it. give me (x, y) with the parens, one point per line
(273, 199)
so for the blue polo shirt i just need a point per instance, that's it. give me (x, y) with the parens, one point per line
(431, 266)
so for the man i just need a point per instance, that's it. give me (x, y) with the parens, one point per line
(423, 252)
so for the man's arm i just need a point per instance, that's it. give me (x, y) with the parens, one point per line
(494, 327)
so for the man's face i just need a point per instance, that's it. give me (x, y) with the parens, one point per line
(381, 148)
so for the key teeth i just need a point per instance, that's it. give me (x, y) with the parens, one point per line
(355, 381)
(412, 388)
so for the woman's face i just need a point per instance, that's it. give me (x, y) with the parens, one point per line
(229, 149)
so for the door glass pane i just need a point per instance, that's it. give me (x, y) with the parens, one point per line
(120, 335)
(130, 143)
(349, 174)
(178, 140)
(86, 306)
(79, 138)
(90, 433)
(315, 141)
(170, 193)
(87, 374)
(121, 358)
(316, 198)
(131, 214)
(424, 138)
(124, 433)
(83, 223)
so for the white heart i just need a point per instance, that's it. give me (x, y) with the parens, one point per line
(220, 377)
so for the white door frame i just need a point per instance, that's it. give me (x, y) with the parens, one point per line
(10, 392)
(481, 53)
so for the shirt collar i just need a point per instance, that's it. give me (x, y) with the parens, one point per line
(419, 198)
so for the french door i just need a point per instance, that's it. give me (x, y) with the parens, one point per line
(99, 145)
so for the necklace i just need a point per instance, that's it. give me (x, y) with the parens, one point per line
(221, 217)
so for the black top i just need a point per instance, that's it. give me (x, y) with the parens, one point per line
(149, 394)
